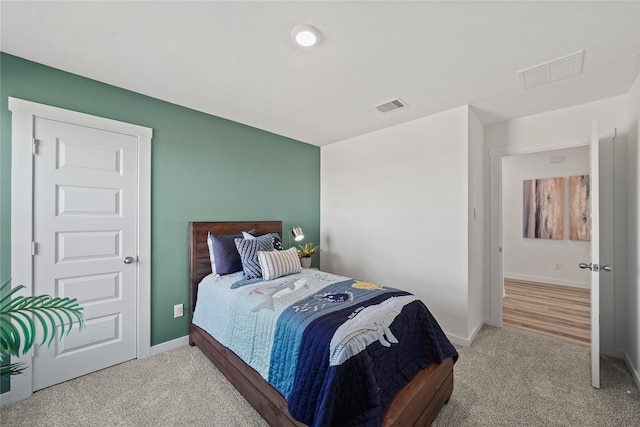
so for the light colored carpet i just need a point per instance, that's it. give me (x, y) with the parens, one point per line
(513, 378)
(506, 378)
(176, 388)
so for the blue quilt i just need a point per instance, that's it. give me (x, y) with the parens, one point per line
(337, 349)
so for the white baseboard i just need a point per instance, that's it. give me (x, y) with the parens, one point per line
(465, 342)
(170, 345)
(475, 331)
(9, 397)
(456, 340)
(550, 280)
(634, 372)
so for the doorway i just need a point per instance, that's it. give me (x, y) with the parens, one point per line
(544, 290)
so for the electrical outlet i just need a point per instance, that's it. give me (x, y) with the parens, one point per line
(178, 311)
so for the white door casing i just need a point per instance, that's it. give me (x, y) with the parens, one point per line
(28, 119)
(594, 182)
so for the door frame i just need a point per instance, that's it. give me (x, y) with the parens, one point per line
(22, 134)
(496, 285)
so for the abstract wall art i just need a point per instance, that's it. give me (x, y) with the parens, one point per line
(579, 208)
(543, 208)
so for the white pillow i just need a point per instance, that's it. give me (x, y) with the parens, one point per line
(276, 264)
(211, 255)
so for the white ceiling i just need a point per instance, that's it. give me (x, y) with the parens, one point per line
(236, 59)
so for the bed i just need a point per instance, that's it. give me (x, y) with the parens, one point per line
(417, 403)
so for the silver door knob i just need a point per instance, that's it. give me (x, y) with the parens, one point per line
(585, 266)
(128, 260)
(607, 268)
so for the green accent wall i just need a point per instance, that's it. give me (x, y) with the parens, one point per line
(203, 168)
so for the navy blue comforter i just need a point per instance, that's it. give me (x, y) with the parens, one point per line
(355, 353)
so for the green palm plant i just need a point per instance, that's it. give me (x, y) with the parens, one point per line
(18, 315)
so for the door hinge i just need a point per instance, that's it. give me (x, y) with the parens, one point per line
(34, 248)
(34, 146)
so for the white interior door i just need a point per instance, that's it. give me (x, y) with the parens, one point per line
(595, 256)
(84, 226)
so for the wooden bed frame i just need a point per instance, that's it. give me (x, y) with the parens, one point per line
(417, 404)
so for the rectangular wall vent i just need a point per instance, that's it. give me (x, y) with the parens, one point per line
(394, 105)
(556, 69)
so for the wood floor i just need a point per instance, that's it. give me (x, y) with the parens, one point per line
(560, 312)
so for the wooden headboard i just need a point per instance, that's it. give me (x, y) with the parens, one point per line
(199, 261)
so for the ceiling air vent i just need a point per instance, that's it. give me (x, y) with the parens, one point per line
(556, 69)
(387, 107)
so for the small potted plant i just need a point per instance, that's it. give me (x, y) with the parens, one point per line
(305, 252)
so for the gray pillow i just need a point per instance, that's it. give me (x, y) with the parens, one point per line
(248, 250)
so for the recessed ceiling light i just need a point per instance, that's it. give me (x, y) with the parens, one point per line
(306, 35)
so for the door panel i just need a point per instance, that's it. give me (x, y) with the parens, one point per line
(94, 201)
(85, 211)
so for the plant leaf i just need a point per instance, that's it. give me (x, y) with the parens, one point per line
(28, 329)
(11, 335)
(5, 295)
(11, 369)
(24, 311)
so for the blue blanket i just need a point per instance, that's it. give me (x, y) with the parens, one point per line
(339, 350)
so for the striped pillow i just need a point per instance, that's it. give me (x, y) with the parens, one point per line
(276, 264)
(248, 249)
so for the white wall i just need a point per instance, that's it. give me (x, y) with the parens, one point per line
(397, 208)
(633, 219)
(536, 259)
(560, 129)
(394, 210)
